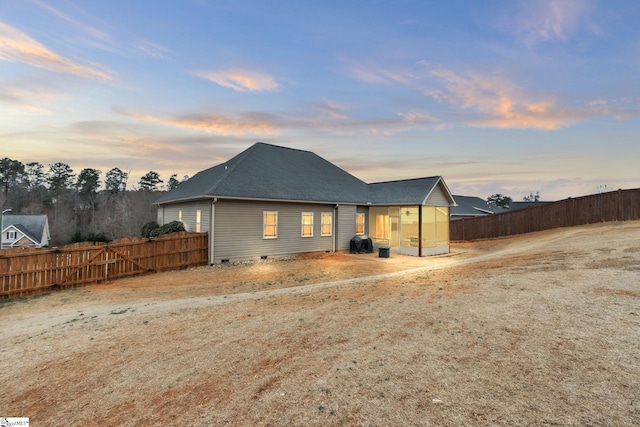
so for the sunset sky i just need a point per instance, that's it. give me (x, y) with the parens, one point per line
(503, 96)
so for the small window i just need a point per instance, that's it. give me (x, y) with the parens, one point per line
(180, 215)
(360, 223)
(12, 235)
(307, 224)
(270, 224)
(198, 219)
(327, 224)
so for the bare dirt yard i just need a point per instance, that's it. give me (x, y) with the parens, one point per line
(536, 330)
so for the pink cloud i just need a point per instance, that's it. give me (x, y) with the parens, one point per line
(501, 103)
(240, 80)
(18, 47)
(247, 124)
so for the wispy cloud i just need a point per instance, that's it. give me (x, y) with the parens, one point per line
(334, 110)
(245, 124)
(28, 97)
(240, 80)
(502, 104)
(18, 47)
(418, 117)
(480, 99)
(373, 74)
(100, 38)
(549, 20)
(93, 31)
(153, 50)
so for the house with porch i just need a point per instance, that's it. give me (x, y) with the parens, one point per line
(272, 201)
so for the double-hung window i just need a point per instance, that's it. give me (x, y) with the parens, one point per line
(11, 235)
(270, 224)
(327, 224)
(307, 224)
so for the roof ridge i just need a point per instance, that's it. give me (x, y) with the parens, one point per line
(241, 157)
(405, 180)
(282, 147)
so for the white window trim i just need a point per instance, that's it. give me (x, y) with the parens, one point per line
(322, 224)
(12, 235)
(264, 224)
(302, 224)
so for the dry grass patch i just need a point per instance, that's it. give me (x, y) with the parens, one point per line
(521, 331)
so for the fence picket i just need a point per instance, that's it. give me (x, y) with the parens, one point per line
(24, 272)
(621, 205)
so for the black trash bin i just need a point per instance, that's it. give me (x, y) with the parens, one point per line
(383, 252)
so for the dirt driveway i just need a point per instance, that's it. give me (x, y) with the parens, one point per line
(542, 329)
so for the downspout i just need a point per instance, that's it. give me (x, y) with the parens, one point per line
(419, 230)
(212, 222)
(333, 226)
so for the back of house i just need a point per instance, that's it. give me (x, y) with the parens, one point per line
(272, 201)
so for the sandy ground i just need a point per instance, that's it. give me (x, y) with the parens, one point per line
(537, 330)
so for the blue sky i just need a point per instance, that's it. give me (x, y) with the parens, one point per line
(504, 97)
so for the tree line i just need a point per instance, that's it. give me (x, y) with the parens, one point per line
(82, 206)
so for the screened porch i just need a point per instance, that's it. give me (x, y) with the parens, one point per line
(410, 230)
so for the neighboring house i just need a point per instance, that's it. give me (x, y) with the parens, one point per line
(275, 201)
(472, 207)
(25, 231)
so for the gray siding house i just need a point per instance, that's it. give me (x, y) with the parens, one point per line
(271, 201)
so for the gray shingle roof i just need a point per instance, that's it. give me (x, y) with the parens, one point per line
(269, 172)
(265, 171)
(402, 192)
(31, 225)
(474, 206)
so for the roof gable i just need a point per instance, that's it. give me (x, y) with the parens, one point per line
(22, 233)
(424, 191)
(33, 226)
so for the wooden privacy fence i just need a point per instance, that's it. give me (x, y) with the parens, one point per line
(621, 205)
(27, 271)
